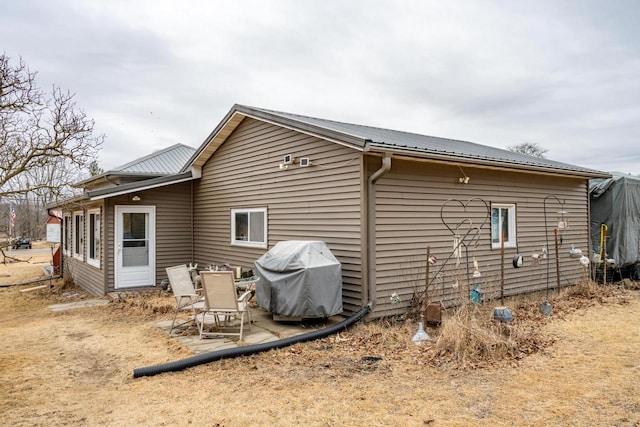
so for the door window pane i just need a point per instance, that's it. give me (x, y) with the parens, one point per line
(135, 242)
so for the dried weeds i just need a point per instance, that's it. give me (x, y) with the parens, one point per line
(61, 368)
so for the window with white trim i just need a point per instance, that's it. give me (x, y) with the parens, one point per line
(249, 227)
(66, 238)
(94, 237)
(503, 225)
(78, 234)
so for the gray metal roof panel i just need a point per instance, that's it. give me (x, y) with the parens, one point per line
(425, 145)
(166, 161)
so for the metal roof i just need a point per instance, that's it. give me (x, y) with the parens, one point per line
(379, 140)
(411, 144)
(167, 161)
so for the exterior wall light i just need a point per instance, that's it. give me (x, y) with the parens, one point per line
(464, 179)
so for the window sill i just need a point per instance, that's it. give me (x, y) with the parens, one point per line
(250, 245)
(506, 245)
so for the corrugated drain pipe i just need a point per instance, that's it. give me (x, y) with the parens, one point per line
(231, 353)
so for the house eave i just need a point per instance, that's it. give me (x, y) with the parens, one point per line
(107, 176)
(239, 112)
(75, 200)
(477, 161)
(341, 138)
(137, 187)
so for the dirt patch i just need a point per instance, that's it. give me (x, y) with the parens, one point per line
(76, 367)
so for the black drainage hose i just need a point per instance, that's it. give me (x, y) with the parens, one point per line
(230, 353)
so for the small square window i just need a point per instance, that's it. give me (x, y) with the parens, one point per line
(503, 225)
(249, 227)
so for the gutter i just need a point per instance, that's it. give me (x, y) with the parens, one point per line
(106, 177)
(371, 227)
(481, 162)
(138, 186)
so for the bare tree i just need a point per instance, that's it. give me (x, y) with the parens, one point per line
(46, 141)
(529, 148)
(40, 135)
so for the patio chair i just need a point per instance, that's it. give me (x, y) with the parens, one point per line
(222, 302)
(184, 292)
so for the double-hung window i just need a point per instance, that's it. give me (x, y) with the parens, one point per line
(78, 234)
(66, 238)
(503, 225)
(249, 227)
(94, 237)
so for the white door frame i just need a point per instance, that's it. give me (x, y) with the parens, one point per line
(134, 276)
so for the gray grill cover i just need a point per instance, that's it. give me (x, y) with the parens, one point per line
(299, 279)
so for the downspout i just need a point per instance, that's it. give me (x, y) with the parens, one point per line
(193, 232)
(371, 227)
(106, 178)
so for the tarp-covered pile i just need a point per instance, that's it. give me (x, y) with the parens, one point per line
(616, 202)
(300, 279)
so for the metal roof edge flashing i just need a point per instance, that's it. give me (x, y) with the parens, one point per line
(202, 149)
(337, 137)
(486, 162)
(146, 185)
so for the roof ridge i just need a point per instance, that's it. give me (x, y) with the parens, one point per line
(364, 126)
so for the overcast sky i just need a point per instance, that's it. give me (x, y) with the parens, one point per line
(562, 74)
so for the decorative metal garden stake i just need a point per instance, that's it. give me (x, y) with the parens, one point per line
(562, 224)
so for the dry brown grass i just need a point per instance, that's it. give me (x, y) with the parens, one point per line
(470, 338)
(578, 367)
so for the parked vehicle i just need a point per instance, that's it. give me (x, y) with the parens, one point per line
(22, 243)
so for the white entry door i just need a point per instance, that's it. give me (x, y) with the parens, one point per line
(135, 258)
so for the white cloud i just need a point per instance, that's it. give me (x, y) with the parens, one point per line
(499, 73)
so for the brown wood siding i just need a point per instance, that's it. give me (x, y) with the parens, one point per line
(320, 202)
(409, 200)
(173, 227)
(86, 276)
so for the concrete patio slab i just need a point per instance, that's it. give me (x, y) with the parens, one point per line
(264, 329)
(78, 304)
